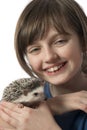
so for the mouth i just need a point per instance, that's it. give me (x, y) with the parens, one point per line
(33, 104)
(56, 68)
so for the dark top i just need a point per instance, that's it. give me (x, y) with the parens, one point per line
(75, 120)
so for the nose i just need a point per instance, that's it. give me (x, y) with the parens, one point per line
(50, 55)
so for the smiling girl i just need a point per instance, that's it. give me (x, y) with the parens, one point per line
(51, 43)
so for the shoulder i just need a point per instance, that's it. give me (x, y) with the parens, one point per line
(81, 121)
(75, 120)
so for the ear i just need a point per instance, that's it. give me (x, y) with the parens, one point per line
(42, 82)
(25, 92)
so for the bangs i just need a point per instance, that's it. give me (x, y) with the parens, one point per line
(39, 20)
(39, 25)
(40, 17)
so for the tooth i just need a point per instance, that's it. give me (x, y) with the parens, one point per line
(54, 68)
(50, 70)
(59, 67)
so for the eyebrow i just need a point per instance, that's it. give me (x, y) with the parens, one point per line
(50, 39)
(58, 35)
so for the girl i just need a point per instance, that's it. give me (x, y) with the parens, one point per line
(51, 43)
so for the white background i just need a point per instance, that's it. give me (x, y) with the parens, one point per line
(10, 69)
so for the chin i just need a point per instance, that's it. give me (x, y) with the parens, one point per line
(58, 82)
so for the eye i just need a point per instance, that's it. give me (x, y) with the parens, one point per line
(34, 50)
(60, 42)
(36, 94)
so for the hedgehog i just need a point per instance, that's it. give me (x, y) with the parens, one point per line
(26, 91)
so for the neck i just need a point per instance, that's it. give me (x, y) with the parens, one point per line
(78, 83)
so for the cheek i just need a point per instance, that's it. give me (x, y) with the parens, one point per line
(72, 53)
(76, 57)
(66, 52)
(73, 49)
(34, 62)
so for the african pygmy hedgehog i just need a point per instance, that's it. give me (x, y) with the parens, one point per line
(27, 91)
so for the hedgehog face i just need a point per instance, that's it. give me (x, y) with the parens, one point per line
(25, 90)
(36, 95)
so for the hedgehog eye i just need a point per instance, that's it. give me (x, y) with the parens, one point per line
(35, 94)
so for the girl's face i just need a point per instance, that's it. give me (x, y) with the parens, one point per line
(56, 58)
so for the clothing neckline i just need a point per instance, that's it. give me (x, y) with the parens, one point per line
(47, 90)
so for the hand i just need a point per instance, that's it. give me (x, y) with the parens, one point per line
(5, 125)
(28, 118)
(68, 102)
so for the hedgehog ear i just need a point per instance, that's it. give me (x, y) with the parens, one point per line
(42, 82)
(31, 85)
(25, 91)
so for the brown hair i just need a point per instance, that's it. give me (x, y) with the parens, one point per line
(39, 15)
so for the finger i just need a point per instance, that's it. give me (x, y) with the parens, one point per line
(44, 107)
(83, 106)
(2, 128)
(8, 119)
(11, 106)
(83, 101)
(14, 107)
(18, 113)
(11, 113)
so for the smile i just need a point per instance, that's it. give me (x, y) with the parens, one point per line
(55, 68)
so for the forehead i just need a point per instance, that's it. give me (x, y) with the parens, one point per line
(52, 33)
